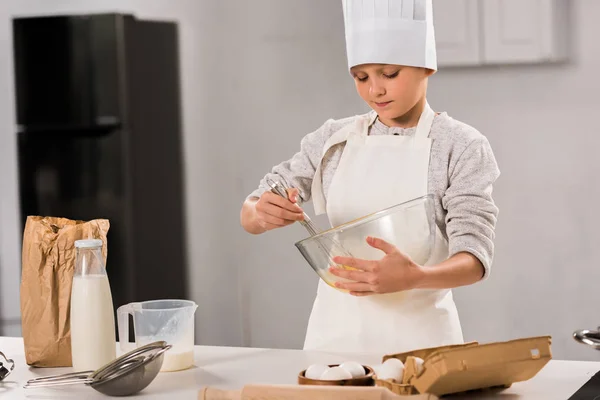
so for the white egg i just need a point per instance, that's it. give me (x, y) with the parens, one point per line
(419, 362)
(336, 374)
(387, 373)
(391, 369)
(394, 361)
(355, 368)
(315, 371)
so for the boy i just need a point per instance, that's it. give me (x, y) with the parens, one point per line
(400, 151)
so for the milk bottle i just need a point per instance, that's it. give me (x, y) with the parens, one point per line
(93, 342)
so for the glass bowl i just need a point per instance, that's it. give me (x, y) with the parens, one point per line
(410, 226)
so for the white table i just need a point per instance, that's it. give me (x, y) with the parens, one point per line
(232, 368)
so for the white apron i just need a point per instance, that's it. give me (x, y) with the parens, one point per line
(376, 172)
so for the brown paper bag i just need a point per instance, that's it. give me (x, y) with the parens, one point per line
(48, 263)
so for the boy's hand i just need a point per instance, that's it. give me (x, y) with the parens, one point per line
(273, 211)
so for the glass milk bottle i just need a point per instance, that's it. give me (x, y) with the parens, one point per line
(93, 342)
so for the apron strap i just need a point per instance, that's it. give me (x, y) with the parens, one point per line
(425, 122)
(360, 126)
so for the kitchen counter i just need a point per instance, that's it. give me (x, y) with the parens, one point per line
(232, 368)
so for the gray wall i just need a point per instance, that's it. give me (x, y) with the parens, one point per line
(543, 125)
(9, 234)
(257, 79)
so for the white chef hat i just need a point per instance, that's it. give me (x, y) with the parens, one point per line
(390, 32)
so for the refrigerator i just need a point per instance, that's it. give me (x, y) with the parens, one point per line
(99, 131)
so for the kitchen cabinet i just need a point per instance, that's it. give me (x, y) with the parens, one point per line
(456, 25)
(488, 32)
(519, 31)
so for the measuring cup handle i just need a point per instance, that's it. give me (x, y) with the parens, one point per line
(123, 313)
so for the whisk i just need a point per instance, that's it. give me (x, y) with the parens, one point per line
(280, 189)
(328, 245)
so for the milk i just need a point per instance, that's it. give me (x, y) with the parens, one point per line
(177, 361)
(93, 341)
(181, 355)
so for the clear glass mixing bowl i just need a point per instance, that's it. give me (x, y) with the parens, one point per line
(410, 226)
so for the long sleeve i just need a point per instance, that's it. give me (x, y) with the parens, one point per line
(471, 212)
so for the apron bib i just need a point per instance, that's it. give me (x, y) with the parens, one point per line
(376, 172)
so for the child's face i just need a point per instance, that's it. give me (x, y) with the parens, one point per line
(390, 90)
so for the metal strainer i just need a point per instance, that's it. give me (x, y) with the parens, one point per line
(128, 374)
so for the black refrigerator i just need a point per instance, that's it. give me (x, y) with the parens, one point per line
(100, 136)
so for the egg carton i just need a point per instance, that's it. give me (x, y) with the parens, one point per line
(469, 367)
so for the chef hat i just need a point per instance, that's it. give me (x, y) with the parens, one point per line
(390, 32)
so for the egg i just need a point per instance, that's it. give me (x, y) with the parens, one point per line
(355, 368)
(392, 368)
(386, 374)
(394, 361)
(315, 371)
(419, 363)
(336, 374)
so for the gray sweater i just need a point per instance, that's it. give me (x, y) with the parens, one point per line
(462, 170)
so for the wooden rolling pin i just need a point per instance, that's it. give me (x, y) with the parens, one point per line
(305, 392)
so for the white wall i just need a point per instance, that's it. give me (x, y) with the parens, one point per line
(256, 79)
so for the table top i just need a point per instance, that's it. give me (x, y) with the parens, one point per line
(234, 367)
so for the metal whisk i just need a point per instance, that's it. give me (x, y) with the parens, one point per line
(334, 247)
(280, 189)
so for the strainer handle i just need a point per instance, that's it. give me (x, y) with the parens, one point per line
(62, 382)
(74, 378)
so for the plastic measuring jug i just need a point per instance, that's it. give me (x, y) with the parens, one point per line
(168, 320)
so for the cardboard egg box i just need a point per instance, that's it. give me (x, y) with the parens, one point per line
(470, 366)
